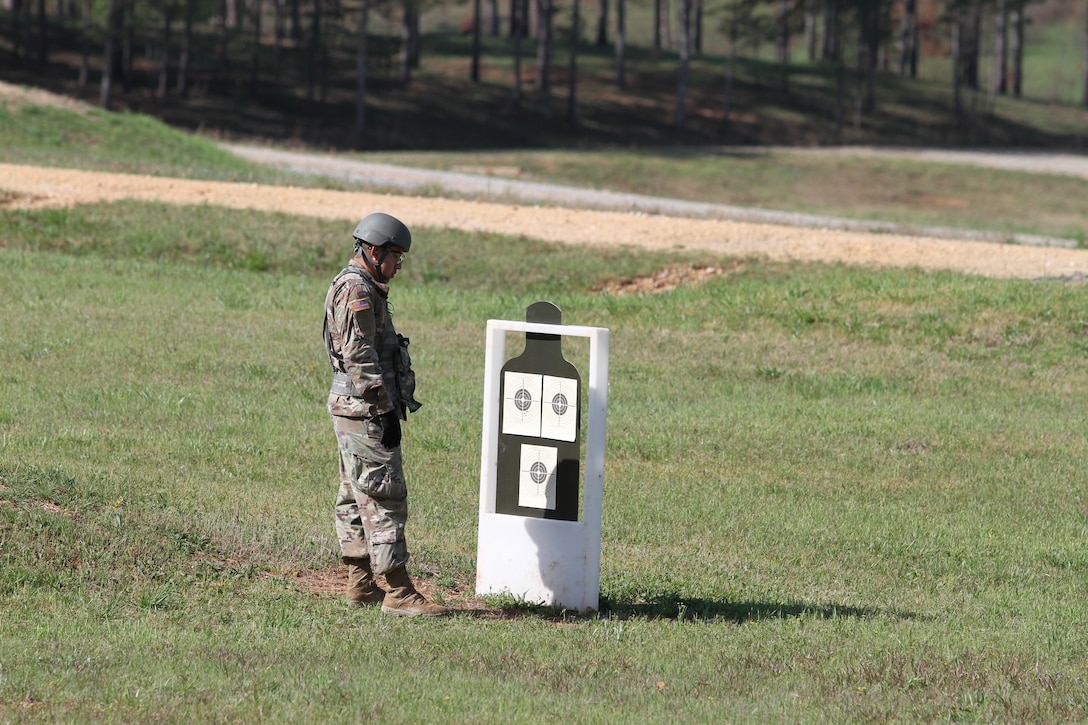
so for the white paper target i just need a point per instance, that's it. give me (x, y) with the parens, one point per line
(521, 404)
(558, 409)
(536, 481)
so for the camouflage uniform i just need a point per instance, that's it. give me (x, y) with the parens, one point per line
(372, 375)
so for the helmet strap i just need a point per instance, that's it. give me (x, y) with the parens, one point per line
(376, 264)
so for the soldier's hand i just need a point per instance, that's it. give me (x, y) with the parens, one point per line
(390, 429)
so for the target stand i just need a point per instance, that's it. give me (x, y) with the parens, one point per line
(532, 543)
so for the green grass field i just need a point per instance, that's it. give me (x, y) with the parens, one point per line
(831, 494)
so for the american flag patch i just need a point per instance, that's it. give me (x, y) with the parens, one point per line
(359, 305)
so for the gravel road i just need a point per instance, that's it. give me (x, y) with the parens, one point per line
(492, 187)
(667, 228)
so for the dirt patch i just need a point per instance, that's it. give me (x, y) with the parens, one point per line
(665, 280)
(332, 582)
(50, 187)
(9, 200)
(13, 96)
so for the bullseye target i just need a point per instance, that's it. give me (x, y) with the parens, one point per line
(536, 482)
(521, 404)
(558, 415)
(540, 406)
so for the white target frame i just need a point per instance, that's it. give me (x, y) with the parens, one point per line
(546, 561)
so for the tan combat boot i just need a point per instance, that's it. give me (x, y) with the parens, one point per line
(404, 600)
(362, 589)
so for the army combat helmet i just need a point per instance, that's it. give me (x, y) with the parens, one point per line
(379, 229)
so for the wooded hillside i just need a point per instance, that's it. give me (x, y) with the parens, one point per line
(412, 74)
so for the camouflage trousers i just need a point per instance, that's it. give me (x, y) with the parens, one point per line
(372, 504)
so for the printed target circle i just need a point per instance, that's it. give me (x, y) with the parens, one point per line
(523, 399)
(559, 404)
(538, 472)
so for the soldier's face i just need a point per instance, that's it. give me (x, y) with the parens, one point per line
(394, 258)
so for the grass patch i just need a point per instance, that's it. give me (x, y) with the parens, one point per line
(832, 494)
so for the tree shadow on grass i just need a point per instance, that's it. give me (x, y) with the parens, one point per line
(683, 608)
(676, 608)
(666, 605)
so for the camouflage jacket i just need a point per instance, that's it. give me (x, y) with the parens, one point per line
(372, 372)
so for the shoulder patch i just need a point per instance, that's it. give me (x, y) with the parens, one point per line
(359, 305)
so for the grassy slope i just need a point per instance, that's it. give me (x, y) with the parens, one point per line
(879, 520)
(900, 191)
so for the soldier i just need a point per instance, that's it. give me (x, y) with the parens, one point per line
(373, 389)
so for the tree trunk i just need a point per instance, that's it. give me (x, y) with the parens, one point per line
(360, 74)
(25, 31)
(109, 54)
(572, 69)
(832, 30)
(164, 69)
(697, 27)
(475, 72)
(519, 9)
(409, 43)
(782, 31)
(313, 50)
(657, 24)
(957, 61)
(730, 70)
(602, 24)
(621, 44)
(186, 44)
(255, 61)
(666, 25)
(870, 41)
(85, 44)
(685, 63)
(782, 43)
(972, 46)
(1017, 50)
(810, 30)
(16, 9)
(277, 35)
(908, 28)
(517, 20)
(43, 35)
(221, 41)
(544, 48)
(129, 25)
(1001, 49)
(1086, 54)
(493, 18)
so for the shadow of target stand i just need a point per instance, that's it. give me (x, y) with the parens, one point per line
(532, 544)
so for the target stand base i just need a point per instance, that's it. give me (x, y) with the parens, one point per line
(539, 561)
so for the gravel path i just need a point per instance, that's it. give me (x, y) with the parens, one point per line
(501, 189)
(36, 187)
